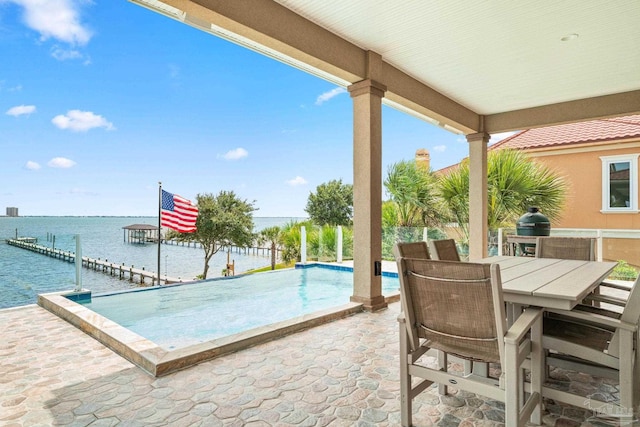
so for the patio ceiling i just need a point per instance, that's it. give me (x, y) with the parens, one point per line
(483, 66)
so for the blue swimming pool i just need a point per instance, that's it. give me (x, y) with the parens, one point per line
(182, 315)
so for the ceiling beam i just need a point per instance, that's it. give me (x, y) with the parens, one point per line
(620, 104)
(293, 39)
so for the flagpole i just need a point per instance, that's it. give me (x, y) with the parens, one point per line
(159, 225)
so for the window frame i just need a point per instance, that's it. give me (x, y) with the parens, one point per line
(632, 159)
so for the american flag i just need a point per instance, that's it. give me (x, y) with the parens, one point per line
(178, 213)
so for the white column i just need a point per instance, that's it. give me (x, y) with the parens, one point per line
(478, 228)
(78, 262)
(339, 241)
(303, 245)
(367, 192)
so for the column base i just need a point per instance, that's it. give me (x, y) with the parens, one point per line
(370, 304)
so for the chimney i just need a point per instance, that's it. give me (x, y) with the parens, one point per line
(423, 160)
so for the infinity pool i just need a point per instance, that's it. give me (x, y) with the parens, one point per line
(182, 315)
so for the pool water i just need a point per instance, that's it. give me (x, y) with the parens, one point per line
(182, 315)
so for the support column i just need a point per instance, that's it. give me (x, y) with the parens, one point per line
(367, 193)
(478, 197)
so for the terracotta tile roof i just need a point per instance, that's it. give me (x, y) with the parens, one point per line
(595, 131)
(574, 133)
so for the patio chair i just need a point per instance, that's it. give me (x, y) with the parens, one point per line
(598, 342)
(577, 248)
(420, 250)
(458, 308)
(411, 250)
(580, 248)
(444, 250)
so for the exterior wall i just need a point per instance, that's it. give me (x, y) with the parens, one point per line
(581, 167)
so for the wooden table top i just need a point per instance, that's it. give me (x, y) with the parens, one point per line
(547, 282)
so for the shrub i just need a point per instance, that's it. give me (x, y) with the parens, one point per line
(624, 271)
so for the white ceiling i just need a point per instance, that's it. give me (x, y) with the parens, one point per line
(467, 65)
(495, 56)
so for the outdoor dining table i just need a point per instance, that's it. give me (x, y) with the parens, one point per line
(547, 282)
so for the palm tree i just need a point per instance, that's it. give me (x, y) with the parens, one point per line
(292, 239)
(273, 236)
(412, 191)
(515, 182)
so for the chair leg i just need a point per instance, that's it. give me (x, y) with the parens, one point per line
(405, 379)
(443, 366)
(626, 373)
(539, 370)
(636, 373)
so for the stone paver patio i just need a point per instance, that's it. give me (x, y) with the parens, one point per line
(344, 373)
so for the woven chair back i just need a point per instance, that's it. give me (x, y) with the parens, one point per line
(445, 250)
(578, 248)
(451, 305)
(411, 250)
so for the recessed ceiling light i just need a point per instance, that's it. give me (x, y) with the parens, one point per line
(569, 37)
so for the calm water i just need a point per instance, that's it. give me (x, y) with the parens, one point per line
(223, 307)
(25, 274)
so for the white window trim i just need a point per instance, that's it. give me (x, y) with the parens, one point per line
(633, 183)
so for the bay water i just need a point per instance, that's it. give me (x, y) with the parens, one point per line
(25, 274)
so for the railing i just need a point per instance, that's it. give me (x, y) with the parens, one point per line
(333, 248)
(600, 234)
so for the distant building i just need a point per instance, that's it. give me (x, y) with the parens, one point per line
(12, 211)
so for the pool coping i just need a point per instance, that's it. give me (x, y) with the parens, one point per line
(158, 361)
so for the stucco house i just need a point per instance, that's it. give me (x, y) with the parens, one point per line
(599, 161)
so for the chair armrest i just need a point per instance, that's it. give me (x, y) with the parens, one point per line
(523, 324)
(607, 299)
(597, 310)
(586, 316)
(616, 286)
(402, 318)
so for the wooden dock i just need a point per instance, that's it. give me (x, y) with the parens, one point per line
(243, 250)
(123, 272)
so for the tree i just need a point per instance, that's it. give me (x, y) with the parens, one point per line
(272, 235)
(332, 204)
(413, 196)
(515, 182)
(223, 220)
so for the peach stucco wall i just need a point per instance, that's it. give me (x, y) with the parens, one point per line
(583, 172)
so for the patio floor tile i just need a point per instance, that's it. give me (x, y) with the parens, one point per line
(344, 373)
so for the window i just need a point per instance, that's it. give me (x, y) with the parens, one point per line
(620, 183)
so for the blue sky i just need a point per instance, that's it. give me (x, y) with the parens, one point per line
(100, 100)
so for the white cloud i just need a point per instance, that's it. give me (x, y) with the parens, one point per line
(32, 165)
(61, 162)
(236, 154)
(62, 54)
(298, 180)
(440, 148)
(330, 94)
(57, 19)
(20, 110)
(81, 121)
